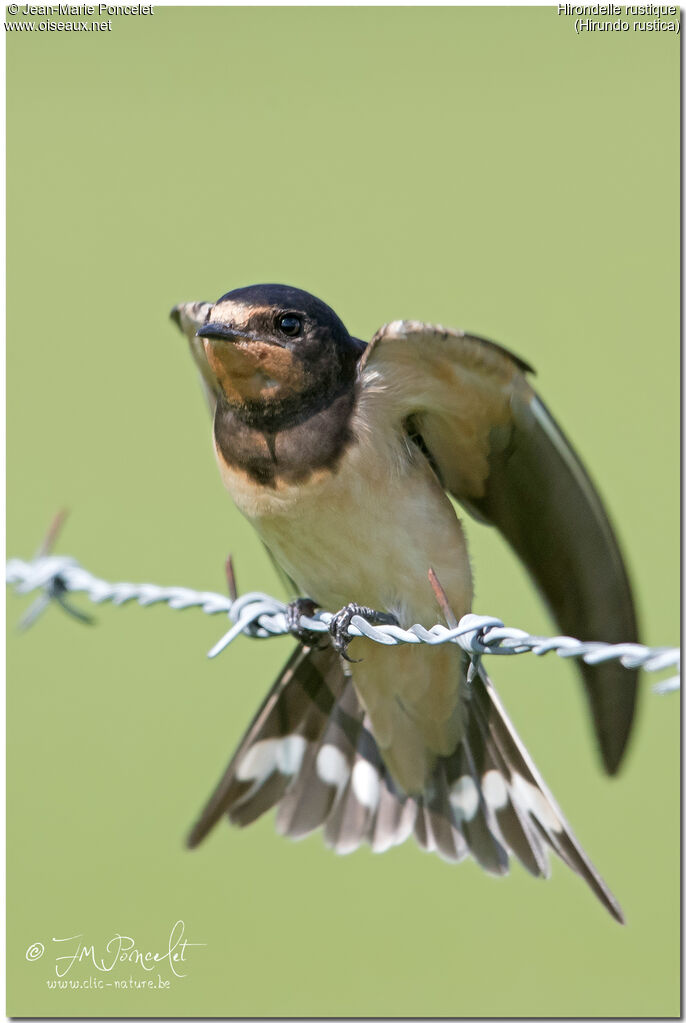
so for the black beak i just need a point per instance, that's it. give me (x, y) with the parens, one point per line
(220, 332)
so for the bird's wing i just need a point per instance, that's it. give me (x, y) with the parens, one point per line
(497, 449)
(189, 317)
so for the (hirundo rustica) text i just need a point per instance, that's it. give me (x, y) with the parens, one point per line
(663, 18)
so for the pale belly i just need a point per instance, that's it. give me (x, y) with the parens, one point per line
(367, 533)
(370, 537)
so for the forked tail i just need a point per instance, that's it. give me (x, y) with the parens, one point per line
(310, 752)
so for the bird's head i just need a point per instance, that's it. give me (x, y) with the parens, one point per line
(270, 345)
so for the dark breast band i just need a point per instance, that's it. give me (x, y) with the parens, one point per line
(270, 454)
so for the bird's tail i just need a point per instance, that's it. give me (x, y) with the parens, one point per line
(310, 752)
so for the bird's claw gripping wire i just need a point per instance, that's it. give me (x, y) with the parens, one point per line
(302, 607)
(338, 626)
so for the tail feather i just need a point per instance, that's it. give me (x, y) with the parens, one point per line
(307, 801)
(296, 695)
(435, 832)
(472, 813)
(258, 799)
(534, 801)
(448, 841)
(325, 770)
(395, 820)
(352, 819)
(517, 830)
(349, 821)
(311, 753)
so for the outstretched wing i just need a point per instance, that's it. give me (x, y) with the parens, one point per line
(498, 450)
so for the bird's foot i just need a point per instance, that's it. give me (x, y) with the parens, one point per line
(294, 612)
(338, 626)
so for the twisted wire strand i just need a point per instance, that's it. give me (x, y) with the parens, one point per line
(258, 615)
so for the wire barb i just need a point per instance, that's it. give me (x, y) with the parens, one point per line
(260, 616)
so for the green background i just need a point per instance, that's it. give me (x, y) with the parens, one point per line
(483, 168)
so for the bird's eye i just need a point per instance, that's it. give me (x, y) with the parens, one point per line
(289, 325)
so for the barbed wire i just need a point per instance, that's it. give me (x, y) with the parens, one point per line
(259, 615)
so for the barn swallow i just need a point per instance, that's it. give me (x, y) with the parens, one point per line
(341, 454)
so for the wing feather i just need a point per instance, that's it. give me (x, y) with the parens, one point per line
(498, 450)
(189, 317)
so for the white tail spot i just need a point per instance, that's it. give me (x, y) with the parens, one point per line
(464, 798)
(268, 755)
(332, 767)
(365, 782)
(289, 754)
(494, 789)
(533, 800)
(259, 761)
